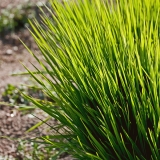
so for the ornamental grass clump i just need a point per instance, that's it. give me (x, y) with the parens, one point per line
(101, 67)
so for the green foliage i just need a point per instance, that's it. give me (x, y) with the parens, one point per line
(12, 94)
(12, 18)
(36, 151)
(102, 69)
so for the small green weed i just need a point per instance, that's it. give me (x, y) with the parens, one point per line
(13, 94)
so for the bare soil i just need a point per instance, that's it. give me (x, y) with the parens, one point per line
(12, 55)
(14, 123)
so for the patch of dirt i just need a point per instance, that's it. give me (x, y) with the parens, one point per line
(12, 54)
(14, 123)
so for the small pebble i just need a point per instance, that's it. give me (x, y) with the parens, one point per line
(15, 48)
(30, 116)
(2, 114)
(9, 52)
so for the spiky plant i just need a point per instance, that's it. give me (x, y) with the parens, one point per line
(101, 67)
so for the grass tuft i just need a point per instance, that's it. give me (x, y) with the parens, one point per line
(101, 67)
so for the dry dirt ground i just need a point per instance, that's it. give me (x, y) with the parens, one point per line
(13, 123)
(12, 52)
